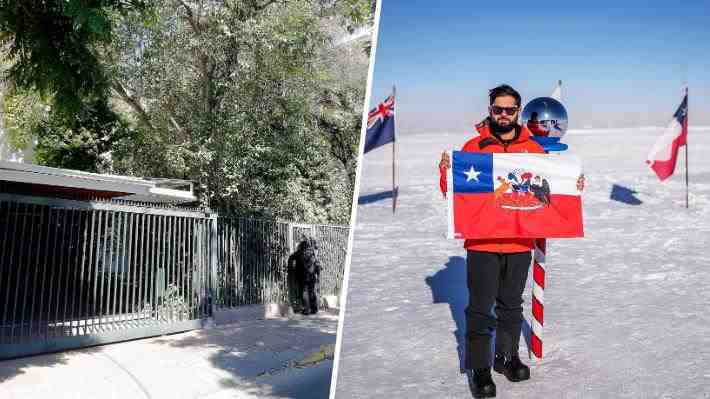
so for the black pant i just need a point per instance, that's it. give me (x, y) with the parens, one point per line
(495, 287)
(310, 301)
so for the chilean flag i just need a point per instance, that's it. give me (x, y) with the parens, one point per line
(514, 196)
(664, 154)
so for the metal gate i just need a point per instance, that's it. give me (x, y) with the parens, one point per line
(76, 274)
(252, 260)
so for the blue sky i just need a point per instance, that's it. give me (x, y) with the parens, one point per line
(622, 63)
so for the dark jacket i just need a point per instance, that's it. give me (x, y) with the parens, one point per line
(304, 262)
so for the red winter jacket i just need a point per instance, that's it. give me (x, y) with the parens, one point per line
(487, 142)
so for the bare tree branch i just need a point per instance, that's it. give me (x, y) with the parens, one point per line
(132, 102)
(194, 23)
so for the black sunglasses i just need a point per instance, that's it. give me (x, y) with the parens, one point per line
(510, 111)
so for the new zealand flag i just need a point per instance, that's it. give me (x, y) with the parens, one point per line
(380, 125)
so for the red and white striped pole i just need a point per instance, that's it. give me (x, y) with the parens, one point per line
(538, 297)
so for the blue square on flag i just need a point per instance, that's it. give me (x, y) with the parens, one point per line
(473, 172)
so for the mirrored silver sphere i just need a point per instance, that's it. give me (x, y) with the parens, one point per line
(545, 116)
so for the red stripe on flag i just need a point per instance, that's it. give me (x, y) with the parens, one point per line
(539, 275)
(536, 346)
(480, 216)
(538, 311)
(665, 169)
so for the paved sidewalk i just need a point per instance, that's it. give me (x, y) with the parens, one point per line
(273, 358)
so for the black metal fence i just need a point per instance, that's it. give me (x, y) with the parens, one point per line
(76, 273)
(252, 264)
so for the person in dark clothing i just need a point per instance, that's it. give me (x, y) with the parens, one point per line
(306, 267)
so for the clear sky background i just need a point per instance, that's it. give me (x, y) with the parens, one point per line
(622, 63)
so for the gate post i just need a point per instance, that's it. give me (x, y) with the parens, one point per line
(213, 262)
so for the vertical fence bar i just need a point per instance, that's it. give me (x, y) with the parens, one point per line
(120, 273)
(233, 261)
(179, 261)
(189, 266)
(221, 269)
(258, 260)
(147, 286)
(105, 277)
(79, 272)
(156, 265)
(199, 242)
(35, 270)
(250, 263)
(22, 255)
(158, 247)
(13, 237)
(131, 272)
(23, 271)
(100, 238)
(58, 329)
(147, 302)
(86, 295)
(204, 244)
(43, 321)
(170, 267)
(195, 241)
(167, 269)
(175, 296)
(113, 269)
(5, 214)
(225, 256)
(238, 231)
(62, 318)
(184, 281)
(163, 274)
(196, 266)
(114, 232)
(176, 266)
(106, 254)
(198, 245)
(213, 259)
(141, 265)
(4, 206)
(73, 272)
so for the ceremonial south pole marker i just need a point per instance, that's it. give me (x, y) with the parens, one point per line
(538, 301)
(555, 116)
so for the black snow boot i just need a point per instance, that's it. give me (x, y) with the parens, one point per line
(512, 368)
(481, 383)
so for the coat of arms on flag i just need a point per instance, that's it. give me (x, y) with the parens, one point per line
(514, 196)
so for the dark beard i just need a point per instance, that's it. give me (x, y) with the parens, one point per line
(498, 130)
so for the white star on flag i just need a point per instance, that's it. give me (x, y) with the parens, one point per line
(472, 174)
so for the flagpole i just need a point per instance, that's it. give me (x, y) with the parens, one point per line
(394, 145)
(687, 133)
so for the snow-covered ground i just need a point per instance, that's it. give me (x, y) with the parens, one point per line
(626, 308)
